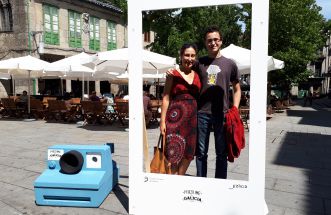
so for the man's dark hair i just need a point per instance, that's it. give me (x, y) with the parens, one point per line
(212, 29)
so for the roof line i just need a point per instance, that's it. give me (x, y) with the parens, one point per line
(105, 5)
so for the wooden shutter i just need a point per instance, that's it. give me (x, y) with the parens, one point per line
(51, 25)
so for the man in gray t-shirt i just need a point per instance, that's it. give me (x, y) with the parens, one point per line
(216, 73)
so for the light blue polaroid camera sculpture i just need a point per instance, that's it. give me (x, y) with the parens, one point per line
(77, 175)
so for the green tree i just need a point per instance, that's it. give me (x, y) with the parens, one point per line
(295, 28)
(295, 35)
(327, 28)
(121, 4)
(175, 27)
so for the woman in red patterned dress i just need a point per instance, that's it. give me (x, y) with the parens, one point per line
(178, 122)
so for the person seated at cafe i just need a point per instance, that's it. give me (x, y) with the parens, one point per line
(66, 98)
(22, 100)
(147, 108)
(71, 94)
(23, 97)
(243, 99)
(152, 97)
(118, 96)
(94, 97)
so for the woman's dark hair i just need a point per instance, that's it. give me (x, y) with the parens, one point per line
(186, 46)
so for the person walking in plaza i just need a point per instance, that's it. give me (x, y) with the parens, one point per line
(216, 73)
(178, 122)
(147, 108)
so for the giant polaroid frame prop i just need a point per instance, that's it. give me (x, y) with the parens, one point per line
(167, 194)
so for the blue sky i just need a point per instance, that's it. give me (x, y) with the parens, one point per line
(326, 8)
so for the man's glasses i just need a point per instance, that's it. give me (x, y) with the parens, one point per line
(215, 40)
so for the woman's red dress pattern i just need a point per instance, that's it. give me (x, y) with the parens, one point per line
(181, 119)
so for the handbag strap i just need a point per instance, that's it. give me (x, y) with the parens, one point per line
(163, 143)
(159, 141)
(163, 140)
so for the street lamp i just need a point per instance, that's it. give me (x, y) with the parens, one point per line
(40, 46)
(327, 63)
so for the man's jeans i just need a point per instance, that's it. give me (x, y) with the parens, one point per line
(205, 123)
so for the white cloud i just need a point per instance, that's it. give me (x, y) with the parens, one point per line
(326, 8)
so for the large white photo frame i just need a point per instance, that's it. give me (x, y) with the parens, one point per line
(167, 194)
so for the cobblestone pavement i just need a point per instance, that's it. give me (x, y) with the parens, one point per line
(298, 161)
(298, 172)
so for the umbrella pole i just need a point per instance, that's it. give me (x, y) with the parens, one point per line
(61, 86)
(29, 80)
(29, 88)
(158, 89)
(83, 88)
(88, 85)
(13, 83)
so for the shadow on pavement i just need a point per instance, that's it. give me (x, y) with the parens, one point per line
(12, 119)
(309, 117)
(122, 197)
(309, 152)
(104, 127)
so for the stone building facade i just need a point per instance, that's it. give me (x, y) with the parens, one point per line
(55, 29)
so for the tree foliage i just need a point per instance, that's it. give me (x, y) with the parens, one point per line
(175, 27)
(123, 5)
(296, 31)
(295, 36)
(295, 28)
(327, 28)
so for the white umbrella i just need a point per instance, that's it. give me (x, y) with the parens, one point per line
(72, 67)
(145, 76)
(20, 65)
(117, 60)
(4, 76)
(28, 66)
(242, 57)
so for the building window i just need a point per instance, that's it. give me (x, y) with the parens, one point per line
(94, 34)
(111, 35)
(147, 36)
(51, 24)
(6, 16)
(75, 30)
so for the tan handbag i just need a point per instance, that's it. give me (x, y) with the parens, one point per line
(159, 163)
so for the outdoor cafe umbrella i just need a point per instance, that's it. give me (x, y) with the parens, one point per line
(4, 76)
(242, 58)
(27, 66)
(117, 61)
(145, 76)
(72, 67)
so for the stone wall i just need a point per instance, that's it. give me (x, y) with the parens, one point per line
(81, 7)
(16, 43)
